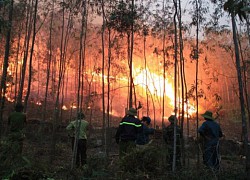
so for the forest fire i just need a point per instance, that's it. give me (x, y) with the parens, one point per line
(60, 59)
(154, 85)
(64, 107)
(38, 103)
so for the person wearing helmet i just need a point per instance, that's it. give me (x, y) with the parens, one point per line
(168, 136)
(143, 137)
(83, 126)
(210, 132)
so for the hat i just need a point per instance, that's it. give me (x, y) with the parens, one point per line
(80, 115)
(19, 107)
(132, 112)
(208, 115)
(172, 118)
(146, 119)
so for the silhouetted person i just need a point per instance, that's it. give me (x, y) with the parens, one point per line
(127, 132)
(16, 124)
(168, 136)
(81, 151)
(210, 131)
(143, 136)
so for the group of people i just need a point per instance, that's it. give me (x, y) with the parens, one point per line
(131, 132)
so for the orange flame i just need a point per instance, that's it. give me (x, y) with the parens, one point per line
(38, 103)
(64, 107)
(154, 84)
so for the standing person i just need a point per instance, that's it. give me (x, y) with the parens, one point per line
(127, 132)
(168, 136)
(81, 148)
(16, 124)
(210, 131)
(143, 137)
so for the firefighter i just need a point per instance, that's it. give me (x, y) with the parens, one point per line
(126, 134)
(81, 146)
(168, 136)
(16, 124)
(210, 132)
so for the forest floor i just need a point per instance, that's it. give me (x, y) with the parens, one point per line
(38, 162)
(147, 163)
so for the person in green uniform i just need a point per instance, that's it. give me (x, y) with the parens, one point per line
(16, 124)
(83, 125)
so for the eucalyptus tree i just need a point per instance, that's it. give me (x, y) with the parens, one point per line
(184, 98)
(81, 65)
(175, 78)
(26, 45)
(164, 60)
(48, 63)
(20, 17)
(31, 54)
(106, 120)
(104, 22)
(56, 107)
(198, 18)
(123, 20)
(6, 62)
(234, 8)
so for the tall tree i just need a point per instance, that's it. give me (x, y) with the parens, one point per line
(31, 55)
(48, 63)
(235, 8)
(28, 29)
(104, 132)
(60, 75)
(175, 79)
(122, 19)
(82, 45)
(6, 64)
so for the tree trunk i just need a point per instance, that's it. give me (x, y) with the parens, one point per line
(31, 57)
(104, 133)
(80, 76)
(48, 63)
(5, 65)
(175, 81)
(184, 102)
(16, 63)
(164, 64)
(196, 76)
(242, 103)
(56, 108)
(28, 29)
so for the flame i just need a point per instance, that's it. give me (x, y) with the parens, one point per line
(64, 107)
(9, 71)
(38, 103)
(154, 84)
(73, 106)
(10, 99)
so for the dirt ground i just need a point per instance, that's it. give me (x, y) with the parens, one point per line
(38, 162)
(150, 165)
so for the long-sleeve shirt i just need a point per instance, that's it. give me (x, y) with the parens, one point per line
(143, 137)
(128, 129)
(211, 132)
(82, 130)
(16, 121)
